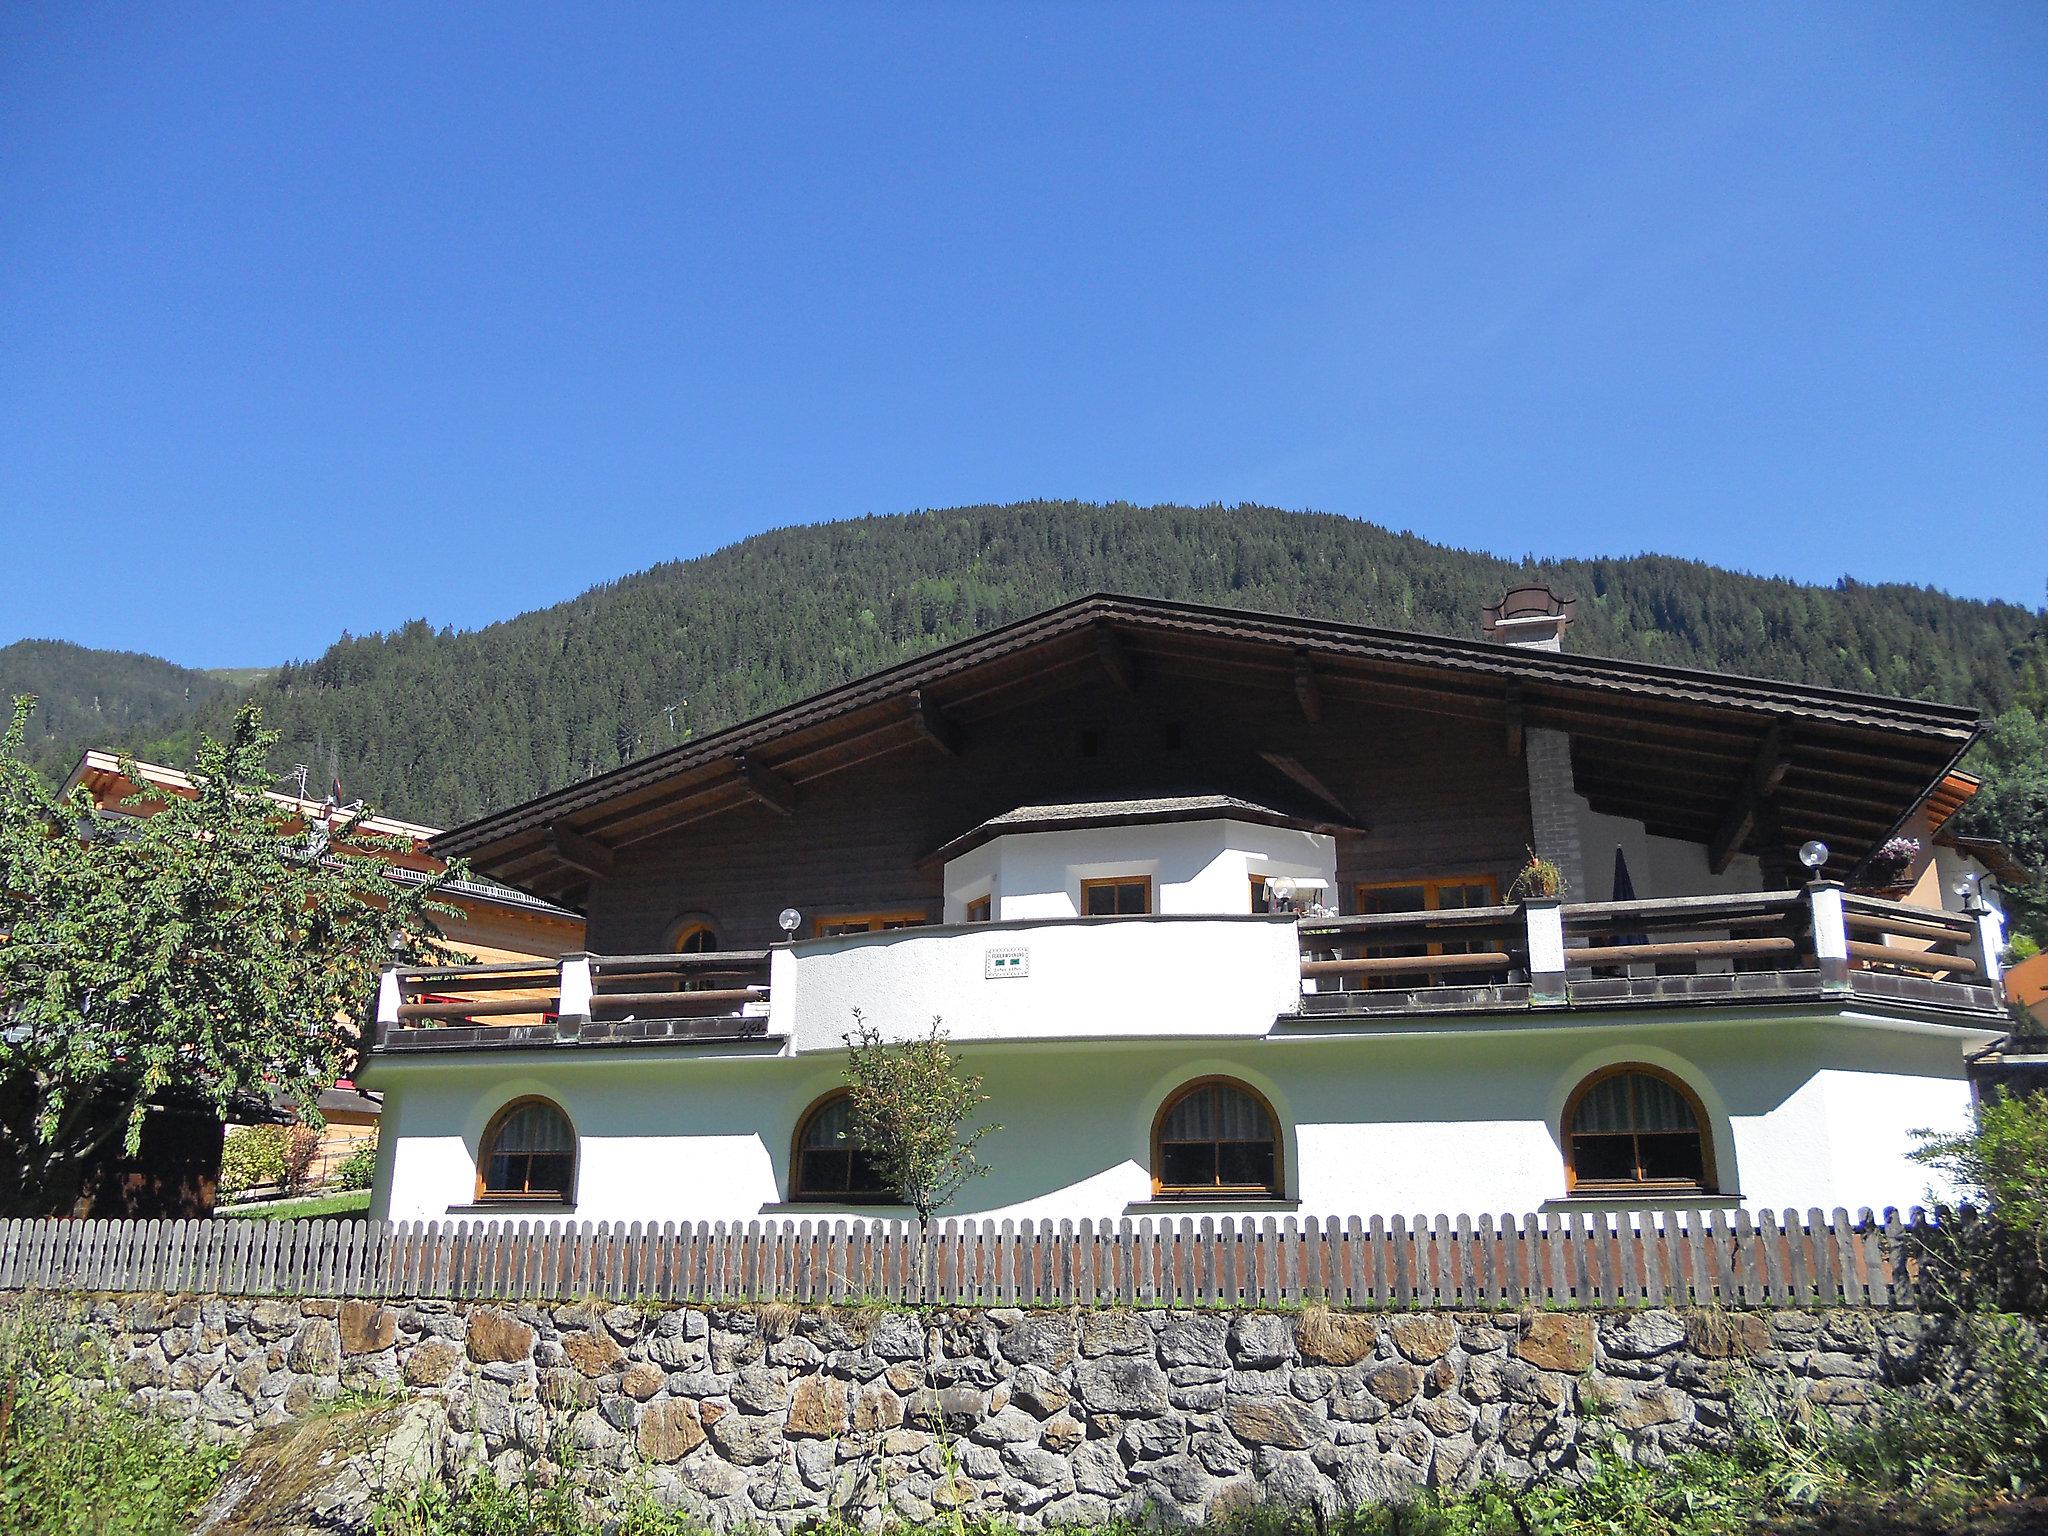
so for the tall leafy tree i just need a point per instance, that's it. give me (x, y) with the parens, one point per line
(2013, 807)
(205, 950)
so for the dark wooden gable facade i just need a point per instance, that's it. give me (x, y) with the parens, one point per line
(1411, 744)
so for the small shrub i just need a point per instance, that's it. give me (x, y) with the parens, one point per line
(301, 1147)
(360, 1167)
(252, 1156)
(909, 1099)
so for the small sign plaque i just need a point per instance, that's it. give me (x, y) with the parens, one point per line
(1005, 962)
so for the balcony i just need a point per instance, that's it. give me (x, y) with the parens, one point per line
(1821, 944)
(1223, 976)
(597, 1000)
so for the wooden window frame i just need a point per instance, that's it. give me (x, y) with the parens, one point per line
(484, 1153)
(1161, 1190)
(797, 1194)
(688, 929)
(1431, 885)
(1432, 888)
(1103, 881)
(985, 905)
(1710, 1179)
(876, 922)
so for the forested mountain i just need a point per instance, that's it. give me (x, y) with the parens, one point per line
(87, 697)
(441, 726)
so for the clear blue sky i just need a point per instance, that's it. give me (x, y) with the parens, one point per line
(318, 317)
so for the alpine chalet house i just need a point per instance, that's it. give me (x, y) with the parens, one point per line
(1224, 907)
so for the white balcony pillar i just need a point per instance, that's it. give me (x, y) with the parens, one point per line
(389, 996)
(1987, 943)
(572, 1005)
(1543, 917)
(1830, 933)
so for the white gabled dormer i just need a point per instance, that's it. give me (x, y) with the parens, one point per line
(1180, 855)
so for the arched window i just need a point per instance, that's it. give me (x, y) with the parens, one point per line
(694, 938)
(827, 1164)
(1216, 1137)
(528, 1153)
(1634, 1127)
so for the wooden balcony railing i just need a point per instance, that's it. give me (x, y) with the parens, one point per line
(1757, 946)
(589, 999)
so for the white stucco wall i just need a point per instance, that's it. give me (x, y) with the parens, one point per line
(1133, 975)
(1456, 1120)
(1659, 866)
(1195, 866)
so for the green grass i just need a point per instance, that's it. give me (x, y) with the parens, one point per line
(75, 1461)
(349, 1202)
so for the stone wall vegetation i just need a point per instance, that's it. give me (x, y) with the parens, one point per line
(779, 1417)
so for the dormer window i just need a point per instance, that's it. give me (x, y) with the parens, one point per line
(1117, 896)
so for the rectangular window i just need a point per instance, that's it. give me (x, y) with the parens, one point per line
(1117, 896)
(865, 922)
(1261, 902)
(979, 909)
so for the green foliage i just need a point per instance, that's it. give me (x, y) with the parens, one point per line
(74, 1460)
(252, 1156)
(360, 1167)
(446, 725)
(1538, 880)
(108, 699)
(2003, 1158)
(909, 1099)
(202, 950)
(2013, 807)
(1988, 1436)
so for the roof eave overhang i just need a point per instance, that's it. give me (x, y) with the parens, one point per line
(1554, 680)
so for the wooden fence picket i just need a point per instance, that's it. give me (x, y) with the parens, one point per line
(1687, 1257)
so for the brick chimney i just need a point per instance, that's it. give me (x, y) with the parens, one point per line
(1535, 618)
(1532, 616)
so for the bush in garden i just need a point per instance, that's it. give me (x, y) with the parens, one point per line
(357, 1169)
(252, 1157)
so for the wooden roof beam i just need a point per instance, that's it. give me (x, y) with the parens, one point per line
(766, 785)
(1116, 659)
(1308, 692)
(582, 853)
(932, 724)
(1748, 809)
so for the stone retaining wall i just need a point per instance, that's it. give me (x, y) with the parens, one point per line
(771, 1415)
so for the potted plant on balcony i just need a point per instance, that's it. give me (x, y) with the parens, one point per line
(1886, 871)
(1538, 880)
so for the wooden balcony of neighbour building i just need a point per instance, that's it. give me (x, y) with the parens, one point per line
(1821, 944)
(616, 1000)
